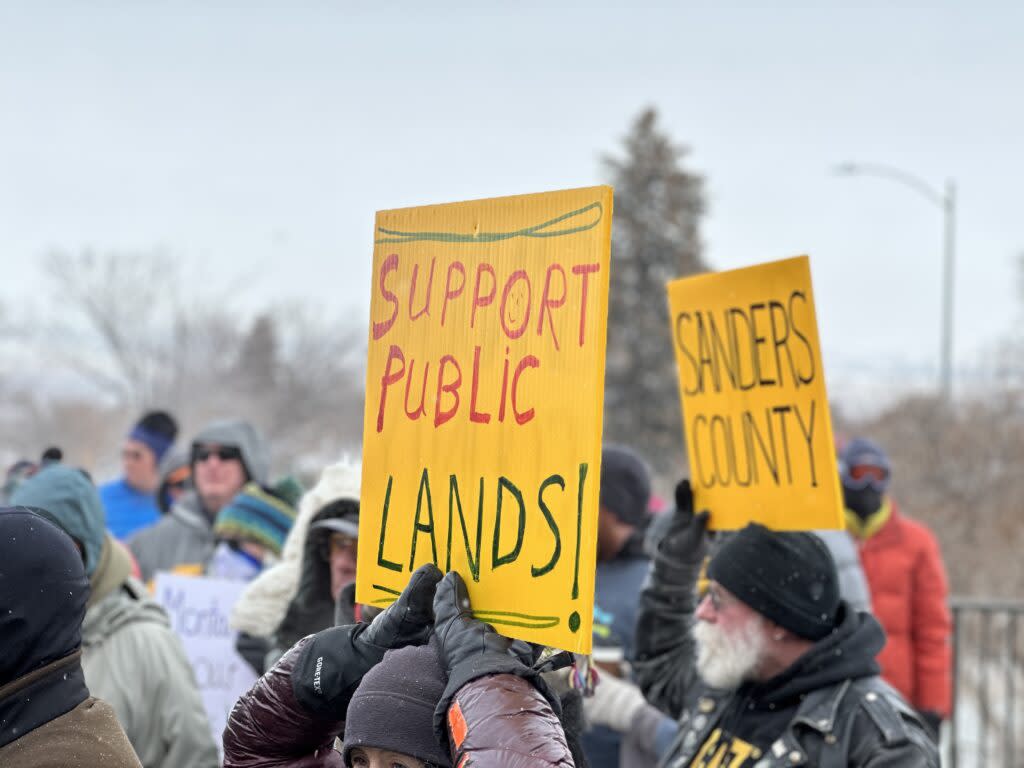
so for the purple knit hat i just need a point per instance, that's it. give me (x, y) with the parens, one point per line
(157, 431)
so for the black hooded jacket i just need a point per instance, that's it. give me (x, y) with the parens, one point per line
(312, 609)
(43, 592)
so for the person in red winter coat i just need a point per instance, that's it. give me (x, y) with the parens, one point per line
(907, 580)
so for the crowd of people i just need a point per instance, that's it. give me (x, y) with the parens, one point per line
(741, 649)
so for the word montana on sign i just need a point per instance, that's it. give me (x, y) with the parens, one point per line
(755, 412)
(484, 397)
(198, 609)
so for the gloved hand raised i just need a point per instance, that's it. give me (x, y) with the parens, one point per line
(333, 662)
(464, 641)
(470, 649)
(683, 536)
(410, 619)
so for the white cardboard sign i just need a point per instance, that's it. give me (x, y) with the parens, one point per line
(198, 608)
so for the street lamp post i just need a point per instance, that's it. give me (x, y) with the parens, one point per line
(946, 202)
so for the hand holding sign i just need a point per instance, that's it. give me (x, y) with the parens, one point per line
(470, 649)
(409, 620)
(332, 664)
(684, 541)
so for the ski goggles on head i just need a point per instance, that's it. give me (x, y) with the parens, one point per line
(861, 476)
(179, 477)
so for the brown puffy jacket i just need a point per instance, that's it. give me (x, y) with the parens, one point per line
(84, 735)
(503, 722)
(494, 722)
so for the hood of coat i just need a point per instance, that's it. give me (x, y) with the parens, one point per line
(67, 497)
(847, 653)
(255, 454)
(114, 568)
(131, 604)
(312, 608)
(43, 588)
(263, 604)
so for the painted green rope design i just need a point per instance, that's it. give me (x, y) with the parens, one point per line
(509, 619)
(501, 618)
(539, 230)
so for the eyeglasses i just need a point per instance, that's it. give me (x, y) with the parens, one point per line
(337, 543)
(201, 453)
(719, 600)
(861, 476)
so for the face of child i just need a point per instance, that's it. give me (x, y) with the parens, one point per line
(372, 757)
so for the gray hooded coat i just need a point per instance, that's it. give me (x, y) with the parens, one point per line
(183, 540)
(134, 661)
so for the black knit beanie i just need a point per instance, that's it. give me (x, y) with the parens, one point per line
(393, 707)
(789, 578)
(625, 485)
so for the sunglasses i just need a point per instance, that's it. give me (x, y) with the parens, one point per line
(225, 453)
(861, 476)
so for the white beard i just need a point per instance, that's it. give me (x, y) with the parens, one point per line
(725, 660)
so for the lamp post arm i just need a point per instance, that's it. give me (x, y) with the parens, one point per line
(916, 183)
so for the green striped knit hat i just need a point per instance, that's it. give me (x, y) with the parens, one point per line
(258, 514)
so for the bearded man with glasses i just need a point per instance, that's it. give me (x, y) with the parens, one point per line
(769, 667)
(224, 457)
(907, 581)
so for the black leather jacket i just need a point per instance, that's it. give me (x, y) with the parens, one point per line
(843, 713)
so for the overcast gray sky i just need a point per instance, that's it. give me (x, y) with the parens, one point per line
(260, 138)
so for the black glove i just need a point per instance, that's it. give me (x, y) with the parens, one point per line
(254, 650)
(683, 542)
(333, 663)
(933, 721)
(410, 619)
(470, 649)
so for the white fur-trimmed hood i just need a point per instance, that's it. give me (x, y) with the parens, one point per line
(265, 600)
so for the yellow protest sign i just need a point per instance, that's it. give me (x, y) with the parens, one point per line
(752, 387)
(484, 397)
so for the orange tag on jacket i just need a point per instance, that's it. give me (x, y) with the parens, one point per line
(457, 724)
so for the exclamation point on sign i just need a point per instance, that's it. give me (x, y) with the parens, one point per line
(574, 617)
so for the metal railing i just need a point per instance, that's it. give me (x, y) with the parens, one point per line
(988, 678)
